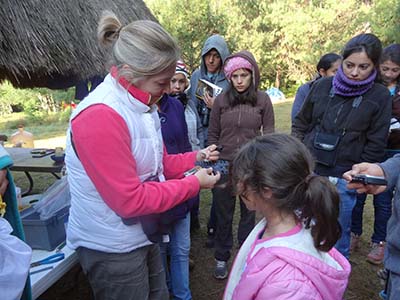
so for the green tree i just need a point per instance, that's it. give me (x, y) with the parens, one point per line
(385, 20)
(191, 22)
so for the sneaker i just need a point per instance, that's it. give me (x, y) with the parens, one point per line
(375, 256)
(355, 242)
(383, 295)
(210, 238)
(382, 275)
(221, 270)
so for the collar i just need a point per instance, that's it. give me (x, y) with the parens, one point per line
(137, 93)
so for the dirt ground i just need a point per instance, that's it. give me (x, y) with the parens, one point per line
(363, 284)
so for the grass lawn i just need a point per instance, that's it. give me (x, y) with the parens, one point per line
(363, 284)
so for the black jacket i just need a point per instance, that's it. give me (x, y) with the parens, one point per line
(366, 130)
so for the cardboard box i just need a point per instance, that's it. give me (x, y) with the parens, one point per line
(44, 234)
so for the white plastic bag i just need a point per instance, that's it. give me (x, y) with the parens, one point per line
(55, 198)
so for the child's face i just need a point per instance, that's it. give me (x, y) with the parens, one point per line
(241, 80)
(178, 83)
(390, 72)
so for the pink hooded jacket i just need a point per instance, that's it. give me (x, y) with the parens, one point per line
(286, 267)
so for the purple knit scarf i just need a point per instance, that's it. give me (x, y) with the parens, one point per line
(343, 86)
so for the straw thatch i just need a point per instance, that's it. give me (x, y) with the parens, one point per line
(53, 43)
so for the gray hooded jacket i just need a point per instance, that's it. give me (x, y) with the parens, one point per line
(218, 43)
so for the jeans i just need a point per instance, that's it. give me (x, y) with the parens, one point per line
(136, 275)
(178, 249)
(382, 213)
(393, 286)
(347, 201)
(225, 209)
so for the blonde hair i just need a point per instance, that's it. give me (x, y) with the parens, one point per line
(144, 46)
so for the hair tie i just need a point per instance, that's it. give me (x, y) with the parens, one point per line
(117, 32)
(308, 178)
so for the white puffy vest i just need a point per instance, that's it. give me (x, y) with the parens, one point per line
(92, 224)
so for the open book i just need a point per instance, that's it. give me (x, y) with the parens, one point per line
(204, 86)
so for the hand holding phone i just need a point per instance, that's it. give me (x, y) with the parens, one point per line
(368, 179)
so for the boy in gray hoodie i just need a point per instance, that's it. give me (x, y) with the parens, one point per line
(213, 55)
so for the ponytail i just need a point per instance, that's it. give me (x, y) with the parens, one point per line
(284, 165)
(321, 211)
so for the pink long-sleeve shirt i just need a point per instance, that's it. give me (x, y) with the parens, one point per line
(112, 168)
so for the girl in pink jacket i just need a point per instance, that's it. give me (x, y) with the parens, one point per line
(289, 254)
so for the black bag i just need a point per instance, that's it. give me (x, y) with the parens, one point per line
(325, 145)
(326, 148)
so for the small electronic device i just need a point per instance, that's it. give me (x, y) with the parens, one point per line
(219, 148)
(221, 166)
(192, 171)
(368, 179)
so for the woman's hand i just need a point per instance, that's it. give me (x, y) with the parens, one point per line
(209, 153)
(3, 181)
(206, 178)
(208, 100)
(369, 169)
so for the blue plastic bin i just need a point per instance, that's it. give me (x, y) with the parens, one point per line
(44, 234)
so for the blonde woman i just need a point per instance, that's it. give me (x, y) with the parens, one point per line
(118, 170)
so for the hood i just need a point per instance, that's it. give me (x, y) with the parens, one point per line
(250, 58)
(329, 282)
(218, 43)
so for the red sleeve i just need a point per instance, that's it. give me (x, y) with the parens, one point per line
(176, 164)
(102, 141)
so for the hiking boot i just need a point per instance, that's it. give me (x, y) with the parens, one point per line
(210, 238)
(375, 256)
(355, 242)
(221, 270)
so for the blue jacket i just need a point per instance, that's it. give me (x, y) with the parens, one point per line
(301, 95)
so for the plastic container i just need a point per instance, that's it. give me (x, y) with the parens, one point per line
(44, 234)
(22, 138)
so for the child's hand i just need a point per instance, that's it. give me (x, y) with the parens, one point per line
(208, 100)
(206, 178)
(365, 168)
(210, 153)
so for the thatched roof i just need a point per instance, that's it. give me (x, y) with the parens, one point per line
(52, 43)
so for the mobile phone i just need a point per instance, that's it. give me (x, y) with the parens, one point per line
(368, 179)
(192, 171)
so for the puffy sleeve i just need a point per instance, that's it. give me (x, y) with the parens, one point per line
(5, 158)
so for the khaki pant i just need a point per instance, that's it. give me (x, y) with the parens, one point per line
(137, 275)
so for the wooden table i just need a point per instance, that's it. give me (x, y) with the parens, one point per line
(24, 162)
